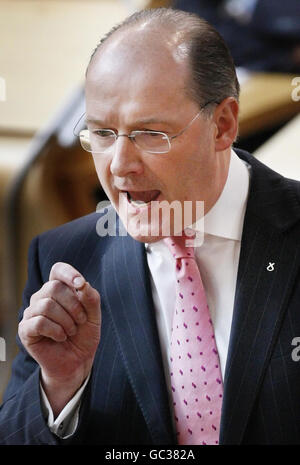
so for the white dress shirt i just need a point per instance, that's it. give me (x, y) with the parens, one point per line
(217, 258)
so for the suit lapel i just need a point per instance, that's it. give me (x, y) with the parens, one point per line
(266, 274)
(126, 295)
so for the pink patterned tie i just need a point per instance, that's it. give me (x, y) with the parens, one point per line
(196, 378)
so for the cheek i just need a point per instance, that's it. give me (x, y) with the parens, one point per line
(181, 172)
(102, 167)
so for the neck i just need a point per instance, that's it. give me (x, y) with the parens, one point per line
(219, 178)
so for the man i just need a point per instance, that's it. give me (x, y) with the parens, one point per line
(162, 110)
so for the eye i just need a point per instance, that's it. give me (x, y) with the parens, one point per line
(152, 134)
(104, 133)
(155, 134)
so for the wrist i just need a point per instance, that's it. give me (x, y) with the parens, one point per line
(60, 391)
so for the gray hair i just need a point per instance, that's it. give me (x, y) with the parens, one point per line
(213, 76)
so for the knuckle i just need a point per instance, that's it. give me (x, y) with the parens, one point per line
(61, 269)
(21, 330)
(24, 330)
(40, 323)
(35, 296)
(26, 314)
(45, 305)
(56, 267)
(54, 287)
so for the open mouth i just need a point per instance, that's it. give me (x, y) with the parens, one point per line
(142, 198)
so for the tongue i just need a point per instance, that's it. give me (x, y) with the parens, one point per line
(144, 196)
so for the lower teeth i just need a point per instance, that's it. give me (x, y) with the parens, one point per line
(139, 202)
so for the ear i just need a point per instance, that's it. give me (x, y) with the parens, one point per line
(226, 121)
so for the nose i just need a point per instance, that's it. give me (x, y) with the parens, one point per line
(126, 158)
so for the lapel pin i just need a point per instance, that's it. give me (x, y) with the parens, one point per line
(270, 267)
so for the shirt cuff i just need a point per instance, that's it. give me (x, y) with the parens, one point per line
(66, 423)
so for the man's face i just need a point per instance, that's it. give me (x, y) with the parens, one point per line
(128, 88)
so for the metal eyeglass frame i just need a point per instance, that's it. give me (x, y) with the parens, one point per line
(132, 135)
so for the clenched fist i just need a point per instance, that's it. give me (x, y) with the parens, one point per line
(61, 331)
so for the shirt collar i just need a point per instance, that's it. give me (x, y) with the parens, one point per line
(226, 217)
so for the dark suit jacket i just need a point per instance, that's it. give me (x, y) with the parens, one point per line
(126, 399)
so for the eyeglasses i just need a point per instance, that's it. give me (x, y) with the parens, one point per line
(101, 140)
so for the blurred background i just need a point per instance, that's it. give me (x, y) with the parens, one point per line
(46, 179)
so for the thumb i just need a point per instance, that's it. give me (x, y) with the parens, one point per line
(90, 300)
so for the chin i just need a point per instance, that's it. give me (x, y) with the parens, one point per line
(146, 239)
(150, 233)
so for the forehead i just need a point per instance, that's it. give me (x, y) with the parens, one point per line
(137, 67)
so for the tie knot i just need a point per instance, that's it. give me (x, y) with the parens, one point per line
(178, 248)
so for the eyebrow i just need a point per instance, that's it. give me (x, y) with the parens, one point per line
(136, 123)
(92, 120)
